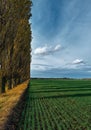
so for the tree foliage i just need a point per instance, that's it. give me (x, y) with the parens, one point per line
(15, 39)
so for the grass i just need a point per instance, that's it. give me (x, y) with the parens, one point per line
(8, 101)
(53, 104)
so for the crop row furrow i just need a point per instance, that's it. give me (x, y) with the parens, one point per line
(75, 120)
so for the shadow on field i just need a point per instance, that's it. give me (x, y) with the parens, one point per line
(64, 96)
(63, 87)
(62, 90)
(15, 116)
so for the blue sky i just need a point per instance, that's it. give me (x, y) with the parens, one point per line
(61, 42)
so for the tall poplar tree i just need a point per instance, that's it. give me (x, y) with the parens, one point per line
(15, 39)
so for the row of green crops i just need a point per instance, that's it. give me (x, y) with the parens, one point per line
(53, 104)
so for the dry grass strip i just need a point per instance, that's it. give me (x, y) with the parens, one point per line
(9, 100)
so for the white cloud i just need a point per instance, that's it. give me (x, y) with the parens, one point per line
(38, 68)
(57, 47)
(40, 50)
(78, 61)
(46, 50)
(41, 67)
(89, 71)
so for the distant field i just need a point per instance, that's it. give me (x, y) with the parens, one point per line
(53, 104)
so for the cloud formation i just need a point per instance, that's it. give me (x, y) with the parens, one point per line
(47, 50)
(41, 67)
(78, 61)
(66, 22)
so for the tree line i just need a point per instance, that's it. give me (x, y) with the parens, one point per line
(15, 39)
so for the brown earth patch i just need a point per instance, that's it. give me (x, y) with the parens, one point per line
(11, 105)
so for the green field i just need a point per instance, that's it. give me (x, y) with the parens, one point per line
(53, 104)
